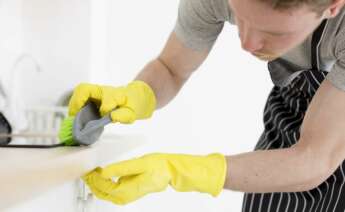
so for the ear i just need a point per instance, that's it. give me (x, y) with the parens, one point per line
(334, 8)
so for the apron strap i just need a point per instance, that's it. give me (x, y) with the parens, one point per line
(315, 43)
(315, 75)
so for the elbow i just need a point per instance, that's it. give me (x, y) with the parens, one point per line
(315, 181)
(316, 168)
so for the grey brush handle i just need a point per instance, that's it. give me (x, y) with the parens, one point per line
(88, 125)
(96, 124)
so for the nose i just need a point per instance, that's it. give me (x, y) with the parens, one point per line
(250, 40)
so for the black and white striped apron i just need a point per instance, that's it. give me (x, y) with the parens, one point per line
(283, 115)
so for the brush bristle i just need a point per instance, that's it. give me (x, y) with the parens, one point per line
(66, 131)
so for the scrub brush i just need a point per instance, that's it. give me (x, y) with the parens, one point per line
(85, 128)
(82, 130)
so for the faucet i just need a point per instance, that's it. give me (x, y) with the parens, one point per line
(14, 108)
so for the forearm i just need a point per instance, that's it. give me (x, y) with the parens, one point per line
(163, 82)
(282, 170)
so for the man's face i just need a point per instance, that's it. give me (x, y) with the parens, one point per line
(267, 33)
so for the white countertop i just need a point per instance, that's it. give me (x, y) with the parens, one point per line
(26, 173)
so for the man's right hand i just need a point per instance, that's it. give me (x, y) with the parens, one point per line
(132, 102)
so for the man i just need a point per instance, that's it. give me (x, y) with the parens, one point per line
(297, 164)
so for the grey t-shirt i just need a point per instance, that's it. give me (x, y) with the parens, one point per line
(200, 22)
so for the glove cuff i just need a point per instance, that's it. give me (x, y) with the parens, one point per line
(220, 166)
(146, 96)
(204, 174)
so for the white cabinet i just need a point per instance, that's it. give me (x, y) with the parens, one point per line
(62, 198)
(48, 179)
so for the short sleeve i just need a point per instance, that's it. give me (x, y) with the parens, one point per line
(199, 22)
(337, 74)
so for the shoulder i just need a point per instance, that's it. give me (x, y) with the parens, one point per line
(211, 10)
(335, 32)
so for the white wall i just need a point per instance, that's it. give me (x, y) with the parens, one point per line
(10, 36)
(219, 109)
(53, 35)
(57, 34)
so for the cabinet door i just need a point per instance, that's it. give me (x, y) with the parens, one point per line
(69, 197)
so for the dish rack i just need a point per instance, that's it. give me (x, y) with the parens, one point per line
(43, 125)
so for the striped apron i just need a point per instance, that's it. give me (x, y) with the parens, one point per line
(283, 115)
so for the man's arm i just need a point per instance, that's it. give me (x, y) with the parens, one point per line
(170, 70)
(319, 151)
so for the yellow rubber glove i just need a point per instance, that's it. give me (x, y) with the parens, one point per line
(134, 101)
(154, 172)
